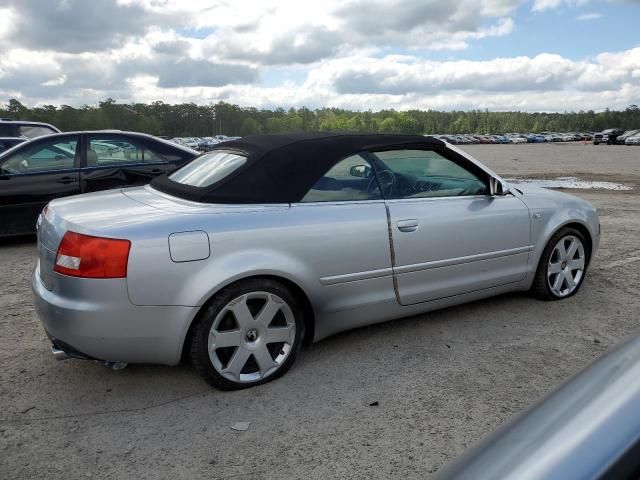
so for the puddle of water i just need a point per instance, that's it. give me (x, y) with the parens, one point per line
(571, 182)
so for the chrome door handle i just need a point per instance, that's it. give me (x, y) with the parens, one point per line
(410, 225)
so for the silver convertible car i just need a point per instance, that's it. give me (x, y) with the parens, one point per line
(270, 241)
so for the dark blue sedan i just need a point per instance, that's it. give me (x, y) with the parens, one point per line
(35, 172)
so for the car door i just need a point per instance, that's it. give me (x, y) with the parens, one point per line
(340, 232)
(449, 235)
(115, 160)
(32, 176)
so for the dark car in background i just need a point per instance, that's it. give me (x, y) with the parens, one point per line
(8, 142)
(24, 129)
(63, 164)
(607, 136)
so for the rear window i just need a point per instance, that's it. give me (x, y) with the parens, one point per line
(208, 169)
(168, 151)
(7, 130)
(6, 144)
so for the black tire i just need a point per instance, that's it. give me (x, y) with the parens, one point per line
(198, 346)
(540, 287)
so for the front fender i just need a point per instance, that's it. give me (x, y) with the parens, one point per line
(545, 222)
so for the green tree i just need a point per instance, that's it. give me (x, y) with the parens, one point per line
(189, 119)
(249, 126)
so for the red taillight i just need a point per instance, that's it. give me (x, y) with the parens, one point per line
(92, 257)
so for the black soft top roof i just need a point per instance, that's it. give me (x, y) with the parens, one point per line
(282, 168)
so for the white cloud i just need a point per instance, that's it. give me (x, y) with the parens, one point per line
(7, 22)
(261, 29)
(588, 16)
(357, 54)
(542, 5)
(544, 82)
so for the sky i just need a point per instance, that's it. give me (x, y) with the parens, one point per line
(534, 55)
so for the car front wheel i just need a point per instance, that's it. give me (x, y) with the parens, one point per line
(562, 266)
(248, 334)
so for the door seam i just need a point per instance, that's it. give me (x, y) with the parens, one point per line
(393, 254)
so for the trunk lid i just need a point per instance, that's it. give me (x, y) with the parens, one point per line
(151, 197)
(135, 214)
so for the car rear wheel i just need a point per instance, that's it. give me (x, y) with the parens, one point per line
(562, 266)
(248, 334)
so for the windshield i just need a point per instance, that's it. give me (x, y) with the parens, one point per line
(208, 169)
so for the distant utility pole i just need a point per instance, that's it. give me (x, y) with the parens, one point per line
(213, 119)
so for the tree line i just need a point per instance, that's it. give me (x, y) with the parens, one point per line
(189, 119)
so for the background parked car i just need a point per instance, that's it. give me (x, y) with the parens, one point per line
(191, 142)
(607, 136)
(621, 140)
(634, 140)
(63, 164)
(7, 142)
(533, 138)
(24, 129)
(207, 143)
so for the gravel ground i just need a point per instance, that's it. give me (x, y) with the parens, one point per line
(394, 400)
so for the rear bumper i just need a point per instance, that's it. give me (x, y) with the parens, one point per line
(96, 318)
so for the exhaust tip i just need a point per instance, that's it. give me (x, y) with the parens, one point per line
(58, 353)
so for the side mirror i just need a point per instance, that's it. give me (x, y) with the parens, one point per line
(360, 171)
(497, 187)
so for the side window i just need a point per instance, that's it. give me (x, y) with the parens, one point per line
(112, 150)
(425, 173)
(348, 180)
(56, 154)
(33, 131)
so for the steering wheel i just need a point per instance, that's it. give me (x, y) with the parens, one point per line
(387, 183)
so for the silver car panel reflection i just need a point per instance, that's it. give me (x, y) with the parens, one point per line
(589, 428)
(358, 262)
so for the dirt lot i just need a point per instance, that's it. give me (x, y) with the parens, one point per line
(442, 381)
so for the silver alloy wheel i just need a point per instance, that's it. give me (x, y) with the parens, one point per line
(251, 337)
(566, 266)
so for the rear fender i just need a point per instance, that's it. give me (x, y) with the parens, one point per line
(233, 267)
